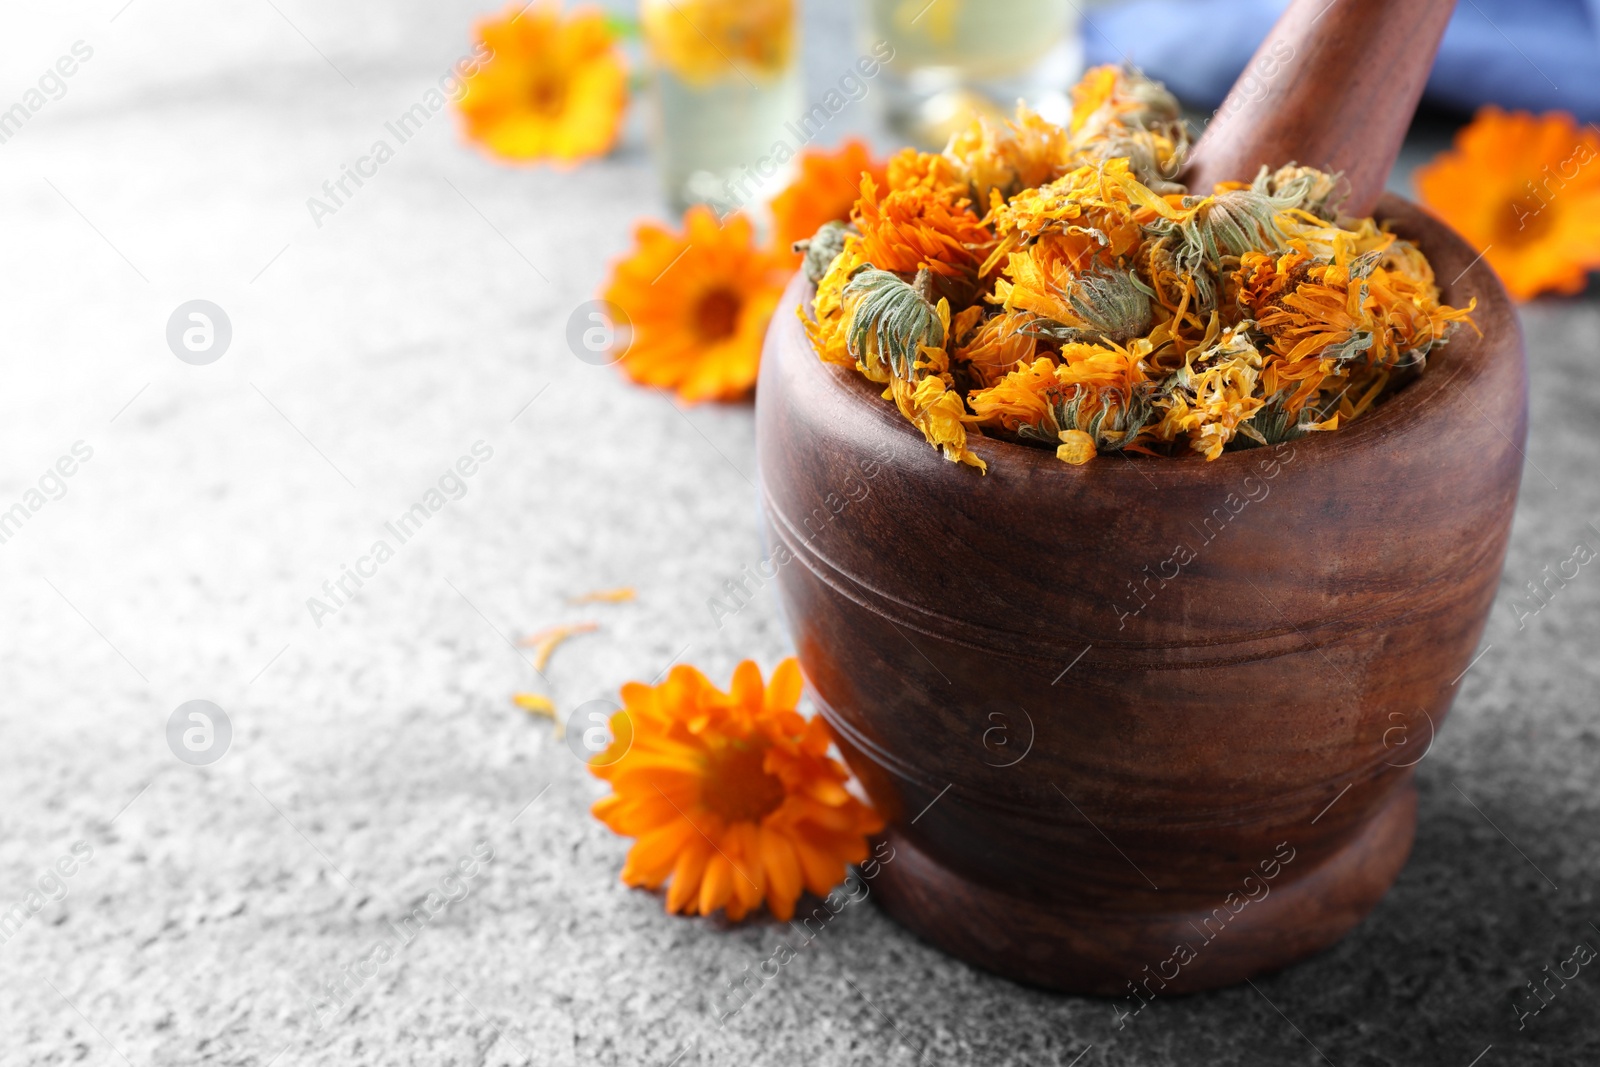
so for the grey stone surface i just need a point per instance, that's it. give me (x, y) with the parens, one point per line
(370, 754)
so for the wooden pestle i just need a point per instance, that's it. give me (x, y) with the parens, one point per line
(1334, 86)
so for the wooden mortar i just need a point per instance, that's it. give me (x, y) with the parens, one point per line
(1145, 703)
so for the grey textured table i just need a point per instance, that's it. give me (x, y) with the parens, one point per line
(372, 752)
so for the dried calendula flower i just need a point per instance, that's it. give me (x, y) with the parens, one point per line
(1096, 305)
(1212, 394)
(889, 322)
(822, 248)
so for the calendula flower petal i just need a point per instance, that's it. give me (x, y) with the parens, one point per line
(783, 691)
(620, 595)
(687, 873)
(545, 642)
(783, 872)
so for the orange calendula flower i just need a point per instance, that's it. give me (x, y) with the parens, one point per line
(730, 796)
(1525, 189)
(1212, 395)
(825, 190)
(554, 87)
(907, 230)
(698, 304)
(702, 40)
(997, 346)
(1007, 157)
(1375, 309)
(828, 322)
(936, 173)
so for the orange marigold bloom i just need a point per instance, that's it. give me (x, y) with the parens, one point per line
(703, 40)
(908, 229)
(1084, 387)
(698, 302)
(997, 347)
(1022, 397)
(1318, 315)
(1213, 395)
(553, 88)
(931, 171)
(1526, 190)
(1010, 156)
(825, 189)
(1092, 209)
(731, 796)
(1119, 97)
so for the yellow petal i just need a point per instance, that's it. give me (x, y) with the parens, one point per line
(1076, 448)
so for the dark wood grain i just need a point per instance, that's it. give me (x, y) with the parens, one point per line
(1069, 783)
(1334, 86)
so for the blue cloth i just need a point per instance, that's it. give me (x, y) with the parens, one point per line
(1532, 55)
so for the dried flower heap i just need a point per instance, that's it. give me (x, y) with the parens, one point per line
(1057, 286)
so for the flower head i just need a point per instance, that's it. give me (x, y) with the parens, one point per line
(702, 40)
(1102, 391)
(553, 88)
(730, 796)
(1324, 319)
(907, 230)
(1010, 156)
(825, 190)
(996, 346)
(1525, 189)
(698, 302)
(1213, 394)
(1109, 97)
(933, 172)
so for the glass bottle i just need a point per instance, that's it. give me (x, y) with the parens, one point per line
(726, 77)
(954, 58)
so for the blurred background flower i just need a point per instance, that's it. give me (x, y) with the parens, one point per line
(1524, 189)
(826, 188)
(554, 87)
